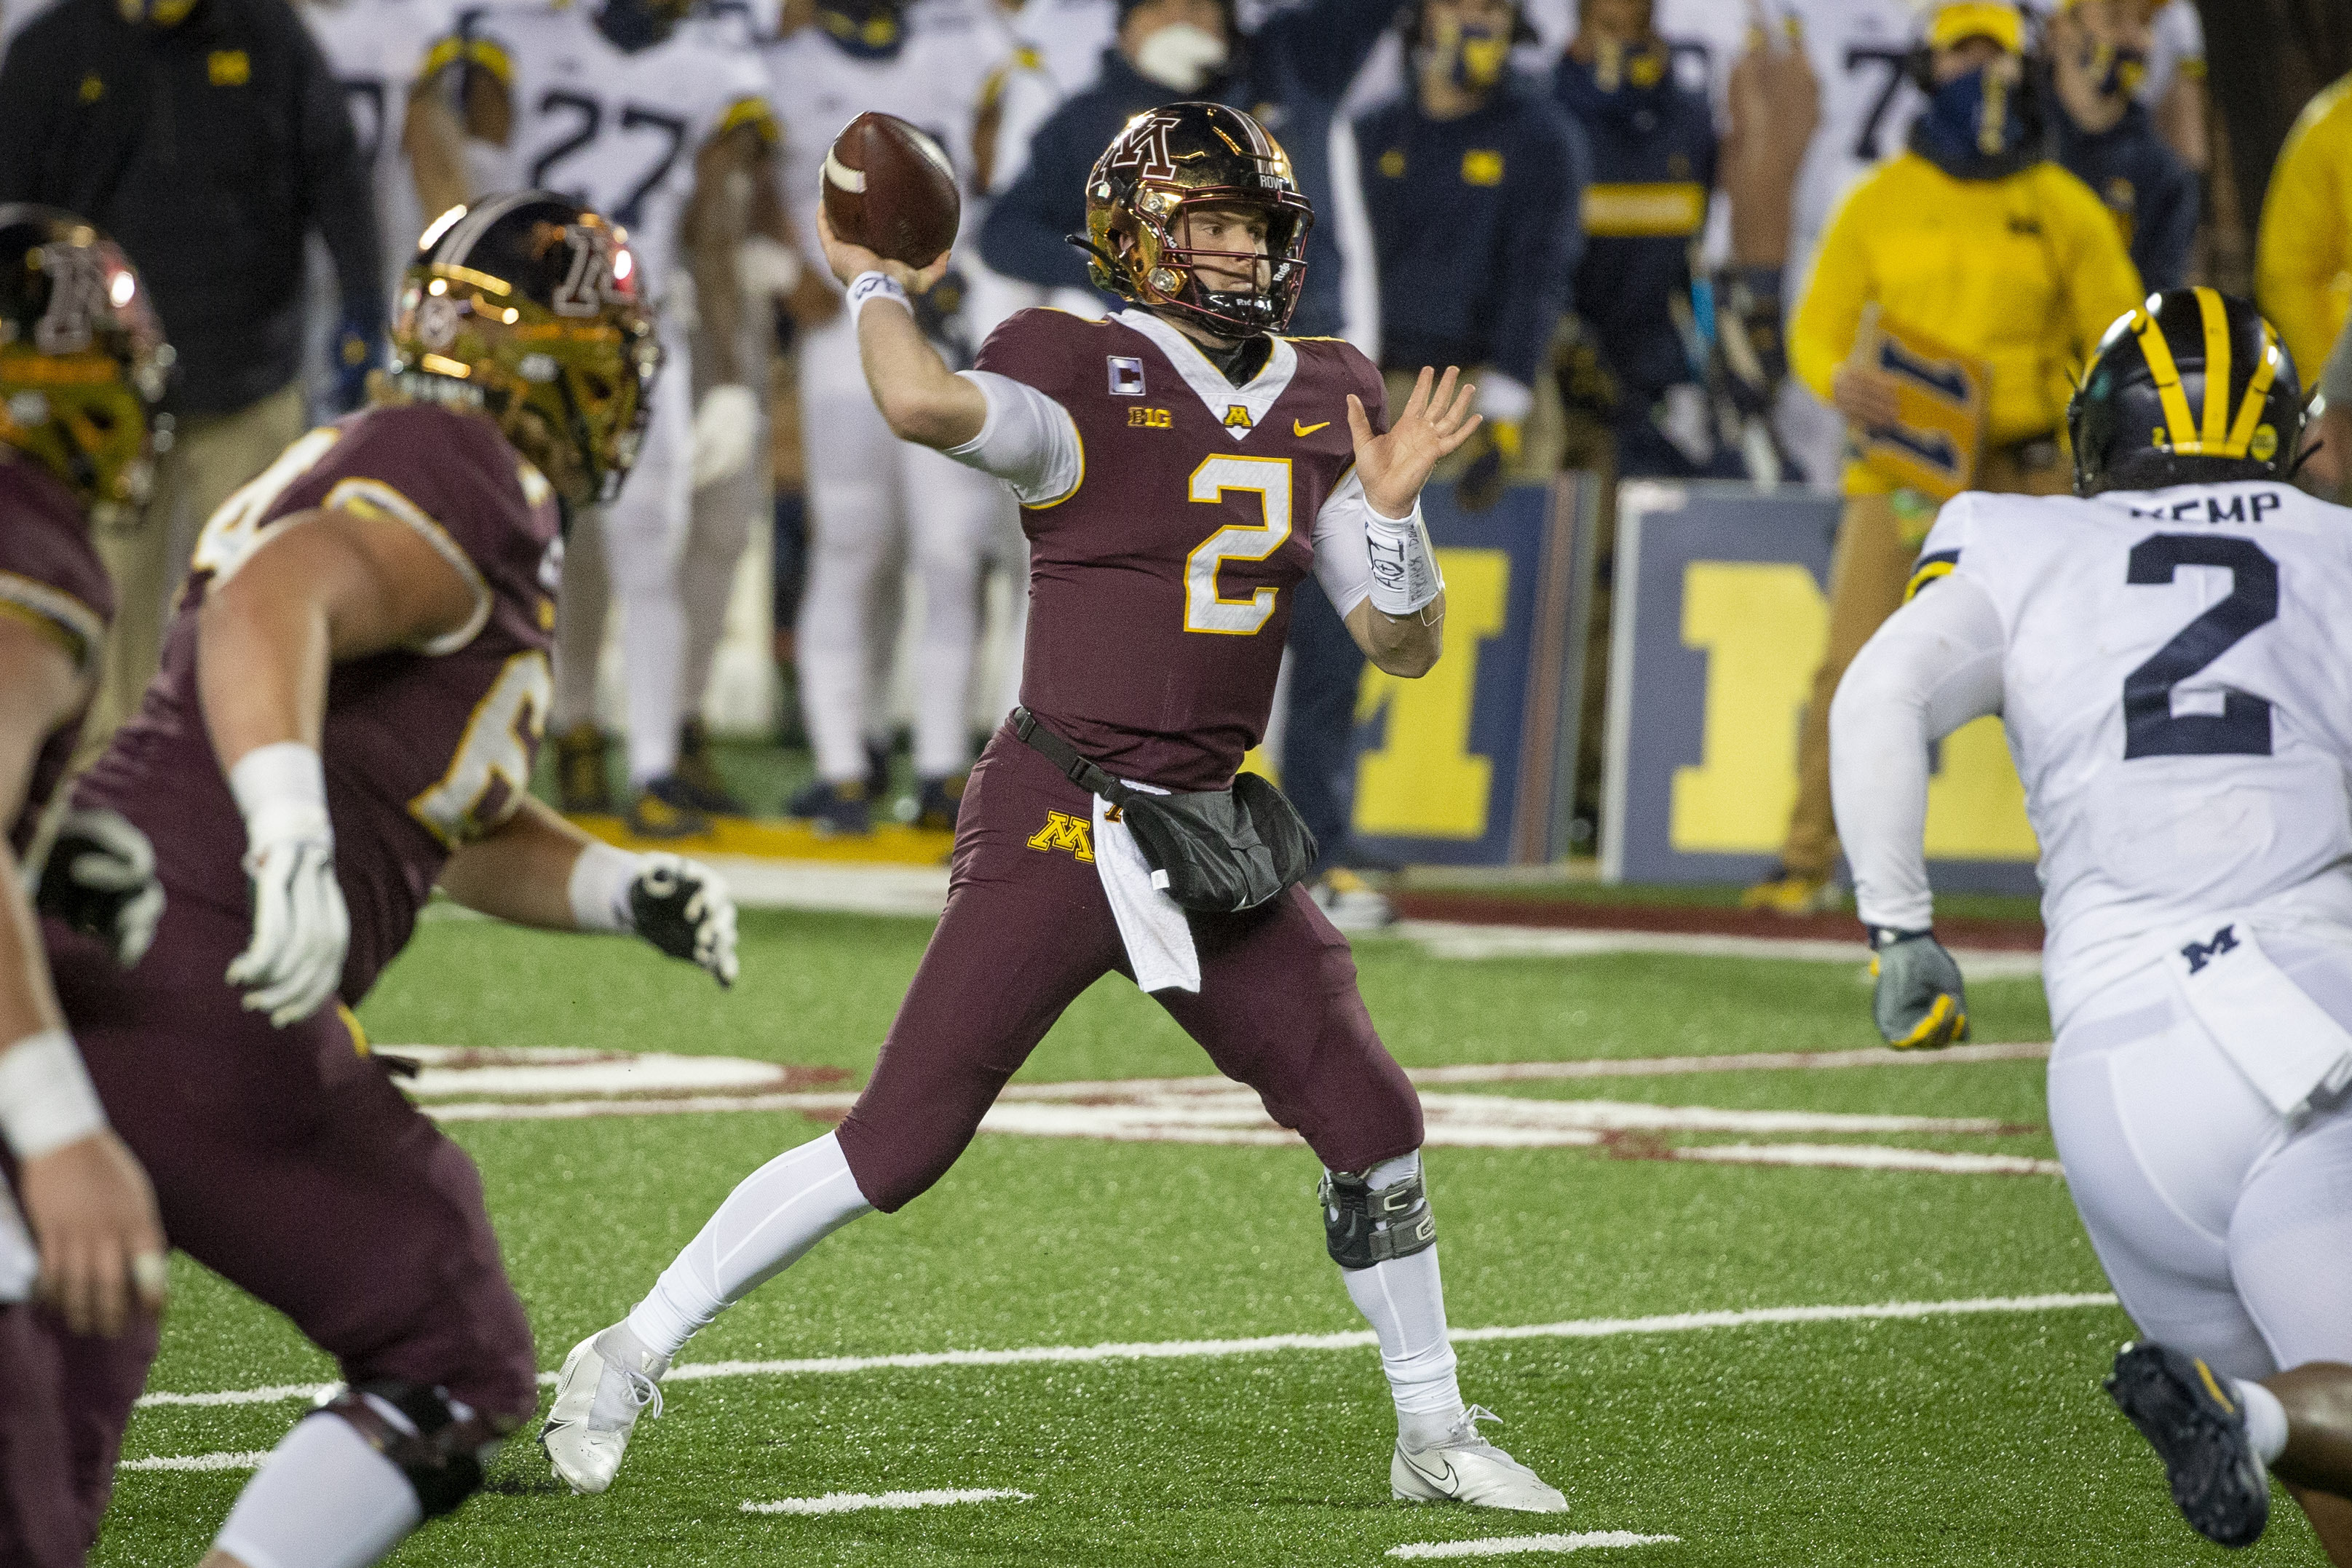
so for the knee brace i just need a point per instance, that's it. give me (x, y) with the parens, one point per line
(437, 1442)
(1361, 1227)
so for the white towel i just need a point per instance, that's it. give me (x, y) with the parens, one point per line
(2288, 1047)
(1150, 923)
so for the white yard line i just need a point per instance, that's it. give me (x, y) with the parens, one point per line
(1446, 939)
(1510, 1546)
(1185, 1350)
(223, 1461)
(853, 1503)
(1868, 1157)
(1749, 1061)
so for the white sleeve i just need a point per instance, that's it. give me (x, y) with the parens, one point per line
(1343, 563)
(1029, 441)
(1934, 666)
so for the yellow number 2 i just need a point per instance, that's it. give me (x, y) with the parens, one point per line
(1205, 609)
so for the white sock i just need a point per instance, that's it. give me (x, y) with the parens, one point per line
(774, 1214)
(1404, 1301)
(324, 1499)
(580, 609)
(2265, 1419)
(653, 639)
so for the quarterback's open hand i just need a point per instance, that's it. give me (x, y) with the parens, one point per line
(101, 881)
(300, 928)
(1395, 466)
(848, 261)
(684, 908)
(1919, 1003)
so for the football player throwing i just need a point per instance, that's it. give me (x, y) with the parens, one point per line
(2170, 654)
(352, 695)
(1181, 468)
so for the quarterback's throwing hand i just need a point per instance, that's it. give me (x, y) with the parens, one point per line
(1919, 1002)
(684, 908)
(101, 881)
(848, 261)
(1396, 465)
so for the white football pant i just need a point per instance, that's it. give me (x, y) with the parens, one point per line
(869, 496)
(2226, 1228)
(633, 551)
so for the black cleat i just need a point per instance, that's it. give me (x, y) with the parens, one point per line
(2198, 1430)
(580, 780)
(938, 801)
(662, 809)
(696, 773)
(835, 810)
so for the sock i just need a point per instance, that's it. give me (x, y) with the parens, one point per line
(324, 1499)
(714, 543)
(2265, 1419)
(774, 1216)
(1404, 1301)
(653, 637)
(580, 609)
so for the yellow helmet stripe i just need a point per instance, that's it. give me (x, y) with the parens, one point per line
(2216, 317)
(2178, 423)
(2258, 391)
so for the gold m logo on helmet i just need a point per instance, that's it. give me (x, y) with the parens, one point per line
(1063, 831)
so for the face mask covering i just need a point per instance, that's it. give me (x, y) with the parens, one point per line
(1180, 57)
(2119, 72)
(1616, 66)
(1975, 127)
(1475, 57)
(868, 32)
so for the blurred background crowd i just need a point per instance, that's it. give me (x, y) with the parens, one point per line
(1672, 240)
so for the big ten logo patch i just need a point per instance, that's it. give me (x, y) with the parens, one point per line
(1063, 831)
(1150, 420)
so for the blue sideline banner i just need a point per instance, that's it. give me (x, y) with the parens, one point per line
(1722, 611)
(1466, 765)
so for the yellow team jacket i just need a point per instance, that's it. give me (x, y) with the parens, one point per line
(2303, 260)
(2024, 273)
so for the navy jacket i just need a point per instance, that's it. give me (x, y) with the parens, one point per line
(1476, 227)
(1291, 74)
(2151, 192)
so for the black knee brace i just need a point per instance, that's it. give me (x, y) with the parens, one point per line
(1363, 1227)
(438, 1449)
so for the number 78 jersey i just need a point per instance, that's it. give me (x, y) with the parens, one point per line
(2177, 687)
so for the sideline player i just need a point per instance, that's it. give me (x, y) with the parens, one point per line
(81, 368)
(351, 697)
(661, 126)
(2169, 654)
(1182, 469)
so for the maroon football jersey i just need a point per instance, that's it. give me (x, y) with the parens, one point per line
(424, 748)
(1160, 588)
(51, 576)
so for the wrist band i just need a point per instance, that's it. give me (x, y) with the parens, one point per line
(1404, 578)
(47, 1100)
(868, 286)
(599, 888)
(281, 792)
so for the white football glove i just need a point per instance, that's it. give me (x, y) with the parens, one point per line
(300, 927)
(680, 906)
(101, 881)
(726, 426)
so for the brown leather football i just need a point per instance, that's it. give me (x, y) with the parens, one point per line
(890, 188)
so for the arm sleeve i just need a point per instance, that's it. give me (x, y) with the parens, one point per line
(1325, 42)
(1028, 440)
(1024, 234)
(1823, 332)
(2303, 240)
(1343, 563)
(1934, 666)
(1537, 239)
(336, 196)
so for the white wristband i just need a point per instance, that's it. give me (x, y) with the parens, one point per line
(599, 890)
(870, 286)
(282, 790)
(1404, 576)
(47, 1100)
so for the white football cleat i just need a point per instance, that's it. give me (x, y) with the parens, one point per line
(1463, 1467)
(608, 1381)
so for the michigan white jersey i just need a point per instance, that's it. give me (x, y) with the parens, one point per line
(2176, 680)
(1858, 50)
(617, 130)
(378, 50)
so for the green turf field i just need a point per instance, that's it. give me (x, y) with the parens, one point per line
(1945, 1438)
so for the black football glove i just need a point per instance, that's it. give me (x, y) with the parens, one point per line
(1919, 1003)
(684, 908)
(100, 878)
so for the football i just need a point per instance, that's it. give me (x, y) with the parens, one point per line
(890, 188)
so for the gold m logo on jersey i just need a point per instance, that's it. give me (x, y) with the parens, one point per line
(1237, 417)
(1063, 831)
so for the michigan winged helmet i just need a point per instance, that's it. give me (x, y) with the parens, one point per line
(83, 363)
(526, 305)
(2193, 387)
(1182, 157)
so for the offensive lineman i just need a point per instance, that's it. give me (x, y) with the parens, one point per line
(1181, 469)
(2171, 655)
(351, 697)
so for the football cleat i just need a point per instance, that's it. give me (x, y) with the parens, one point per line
(877, 771)
(697, 776)
(937, 801)
(665, 809)
(1786, 893)
(1349, 902)
(580, 782)
(609, 1381)
(1463, 1467)
(832, 808)
(2198, 1430)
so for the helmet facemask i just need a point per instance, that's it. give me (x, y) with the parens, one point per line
(1196, 283)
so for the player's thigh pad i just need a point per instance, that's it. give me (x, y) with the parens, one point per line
(1026, 929)
(2158, 1131)
(1278, 1009)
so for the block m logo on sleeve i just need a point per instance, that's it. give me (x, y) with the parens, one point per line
(2198, 954)
(1063, 831)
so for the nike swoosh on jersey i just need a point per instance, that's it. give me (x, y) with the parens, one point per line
(1298, 430)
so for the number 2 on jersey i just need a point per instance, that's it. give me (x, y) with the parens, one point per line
(2242, 728)
(1269, 477)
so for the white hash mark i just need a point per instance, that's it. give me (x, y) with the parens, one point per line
(1505, 1545)
(223, 1461)
(850, 1502)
